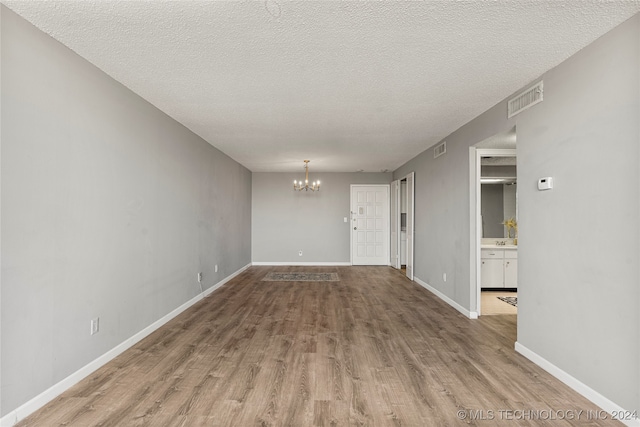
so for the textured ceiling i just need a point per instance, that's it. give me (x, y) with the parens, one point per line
(349, 85)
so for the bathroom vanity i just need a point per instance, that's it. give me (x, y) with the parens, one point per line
(499, 266)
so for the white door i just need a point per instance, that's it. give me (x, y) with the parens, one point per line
(410, 223)
(370, 224)
(395, 225)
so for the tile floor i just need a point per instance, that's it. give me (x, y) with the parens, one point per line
(490, 304)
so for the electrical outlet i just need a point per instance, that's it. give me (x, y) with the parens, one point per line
(199, 277)
(216, 269)
(300, 253)
(95, 326)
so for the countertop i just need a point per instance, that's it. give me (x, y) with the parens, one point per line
(508, 247)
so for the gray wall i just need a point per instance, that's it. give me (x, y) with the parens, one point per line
(109, 208)
(580, 243)
(442, 223)
(286, 221)
(579, 299)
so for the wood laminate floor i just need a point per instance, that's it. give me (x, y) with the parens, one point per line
(373, 349)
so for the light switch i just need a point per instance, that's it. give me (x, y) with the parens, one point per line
(345, 219)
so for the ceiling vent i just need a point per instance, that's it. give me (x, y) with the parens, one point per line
(524, 100)
(439, 149)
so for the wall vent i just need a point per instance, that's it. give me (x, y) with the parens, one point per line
(439, 149)
(524, 100)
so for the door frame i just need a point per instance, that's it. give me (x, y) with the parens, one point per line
(395, 225)
(475, 209)
(387, 235)
(411, 214)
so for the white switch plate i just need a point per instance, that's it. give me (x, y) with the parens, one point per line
(345, 219)
(95, 326)
(216, 269)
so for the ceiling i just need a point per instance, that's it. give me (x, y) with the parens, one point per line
(349, 85)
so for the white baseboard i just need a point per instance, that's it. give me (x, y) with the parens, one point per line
(443, 297)
(574, 383)
(26, 409)
(310, 264)
(208, 291)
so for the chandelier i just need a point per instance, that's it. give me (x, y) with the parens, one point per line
(299, 186)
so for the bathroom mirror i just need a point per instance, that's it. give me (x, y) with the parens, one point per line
(499, 195)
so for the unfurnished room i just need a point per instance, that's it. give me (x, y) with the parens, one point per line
(319, 213)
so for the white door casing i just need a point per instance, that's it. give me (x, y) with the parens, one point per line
(410, 222)
(370, 224)
(395, 225)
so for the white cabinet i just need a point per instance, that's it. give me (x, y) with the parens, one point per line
(491, 273)
(510, 269)
(499, 268)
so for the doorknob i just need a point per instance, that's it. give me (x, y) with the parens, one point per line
(355, 228)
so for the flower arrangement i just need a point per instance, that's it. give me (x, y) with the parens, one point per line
(511, 223)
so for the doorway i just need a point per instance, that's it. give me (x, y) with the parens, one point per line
(402, 220)
(499, 271)
(369, 225)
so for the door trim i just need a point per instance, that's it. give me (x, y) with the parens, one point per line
(411, 223)
(394, 229)
(475, 238)
(411, 214)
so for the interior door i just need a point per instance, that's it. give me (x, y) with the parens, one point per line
(395, 224)
(410, 222)
(370, 224)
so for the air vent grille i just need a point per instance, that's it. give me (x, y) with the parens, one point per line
(524, 100)
(439, 149)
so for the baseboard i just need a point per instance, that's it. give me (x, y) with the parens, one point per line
(210, 290)
(310, 264)
(52, 392)
(586, 391)
(443, 297)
